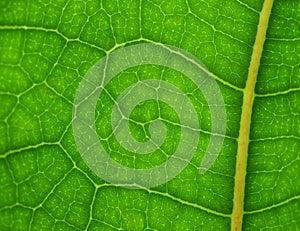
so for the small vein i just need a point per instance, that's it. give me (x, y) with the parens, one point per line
(274, 206)
(199, 66)
(277, 93)
(50, 30)
(170, 197)
(116, 47)
(275, 138)
(249, 7)
(285, 39)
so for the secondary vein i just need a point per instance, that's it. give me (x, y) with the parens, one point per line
(243, 140)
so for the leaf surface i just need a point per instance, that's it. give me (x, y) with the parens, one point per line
(46, 47)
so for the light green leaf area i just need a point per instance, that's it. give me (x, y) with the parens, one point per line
(46, 47)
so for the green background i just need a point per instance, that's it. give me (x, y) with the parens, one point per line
(46, 47)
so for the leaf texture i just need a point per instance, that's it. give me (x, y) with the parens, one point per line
(46, 47)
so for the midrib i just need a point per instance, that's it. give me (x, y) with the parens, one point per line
(243, 140)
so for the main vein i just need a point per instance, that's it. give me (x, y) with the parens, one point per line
(243, 140)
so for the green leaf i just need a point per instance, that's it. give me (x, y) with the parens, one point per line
(46, 47)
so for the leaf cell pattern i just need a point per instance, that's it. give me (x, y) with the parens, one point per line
(47, 47)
